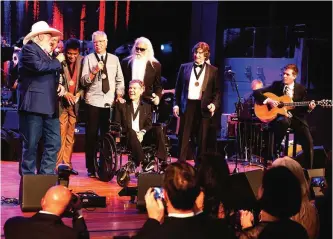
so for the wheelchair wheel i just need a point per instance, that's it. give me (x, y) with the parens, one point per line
(106, 162)
(123, 178)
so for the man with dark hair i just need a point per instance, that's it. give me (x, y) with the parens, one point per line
(69, 103)
(47, 223)
(136, 119)
(180, 191)
(296, 117)
(197, 97)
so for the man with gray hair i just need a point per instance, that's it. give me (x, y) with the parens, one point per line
(37, 90)
(103, 78)
(142, 65)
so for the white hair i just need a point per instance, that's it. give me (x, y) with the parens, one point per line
(98, 33)
(149, 51)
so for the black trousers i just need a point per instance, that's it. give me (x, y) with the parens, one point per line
(97, 121)
(280, 126)
(153, 136)
(194, 126)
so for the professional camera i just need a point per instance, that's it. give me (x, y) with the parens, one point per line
(74, 205)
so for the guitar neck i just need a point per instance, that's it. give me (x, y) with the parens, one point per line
(301, 103)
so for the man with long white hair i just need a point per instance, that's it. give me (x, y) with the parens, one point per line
(142, 65)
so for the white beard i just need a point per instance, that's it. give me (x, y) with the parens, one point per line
(139, 68)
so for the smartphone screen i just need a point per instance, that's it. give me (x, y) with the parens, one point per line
(158, 193)
(318, 181)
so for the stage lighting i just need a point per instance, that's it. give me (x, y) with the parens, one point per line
(166, 47)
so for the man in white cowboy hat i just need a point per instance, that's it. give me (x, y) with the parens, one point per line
(37, 86)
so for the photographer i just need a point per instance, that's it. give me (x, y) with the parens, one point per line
(180, 191)
(47, 223)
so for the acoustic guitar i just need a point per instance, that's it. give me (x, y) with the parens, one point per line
(266, 113)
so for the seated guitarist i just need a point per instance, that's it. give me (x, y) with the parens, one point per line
(296, 117)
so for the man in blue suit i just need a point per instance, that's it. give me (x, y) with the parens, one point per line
(37, 86)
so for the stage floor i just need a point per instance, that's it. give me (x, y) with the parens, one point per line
(119, 218)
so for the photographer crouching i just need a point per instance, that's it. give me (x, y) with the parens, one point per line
(56, 203)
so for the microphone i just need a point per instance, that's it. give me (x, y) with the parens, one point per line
(56, 52)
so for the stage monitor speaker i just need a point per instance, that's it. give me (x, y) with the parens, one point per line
(244, 189)
(145, 181)
(319, 157)
(32, 190)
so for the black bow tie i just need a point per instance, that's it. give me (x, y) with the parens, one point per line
(200, 66)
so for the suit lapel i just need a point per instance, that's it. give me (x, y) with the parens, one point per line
(141, 115)
(67, 76)
(148, 70)
(188, 71)
(205, 81)
(129, 109)
(78, 71)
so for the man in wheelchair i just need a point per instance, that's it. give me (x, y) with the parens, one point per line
(135, 117)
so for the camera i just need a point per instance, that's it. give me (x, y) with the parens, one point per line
(318, 181)
(158, 193)
(73, 206)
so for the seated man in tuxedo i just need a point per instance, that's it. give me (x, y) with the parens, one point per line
(180, 191)
(296, 117)
(135, 117)
(47, 223)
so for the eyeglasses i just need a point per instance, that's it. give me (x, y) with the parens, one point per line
(140, 49)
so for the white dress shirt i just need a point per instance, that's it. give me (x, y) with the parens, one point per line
(135, 122)
(291, 90)
(194, 92)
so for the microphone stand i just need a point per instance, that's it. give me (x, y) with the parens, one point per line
(239, 107)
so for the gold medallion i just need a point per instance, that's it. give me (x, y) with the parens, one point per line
(103, 76)
(196, 84)
(71, 82)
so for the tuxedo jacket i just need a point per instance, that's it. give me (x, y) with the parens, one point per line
(276, 88)
(199, 226)
(41, 226)
(38, 80)
(152, 78)
(210, 88)
(64, 81)
(123, 115)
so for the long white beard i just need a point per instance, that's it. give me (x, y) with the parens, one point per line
(139, 68)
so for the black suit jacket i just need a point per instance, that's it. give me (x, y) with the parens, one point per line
(152, 79)
(123, 115)
(276, 88)
(199, 226)
(210, 88)
(44, 226)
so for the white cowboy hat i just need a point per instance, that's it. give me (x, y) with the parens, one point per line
(41, 27)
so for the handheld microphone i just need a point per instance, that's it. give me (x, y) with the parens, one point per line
(56, 52)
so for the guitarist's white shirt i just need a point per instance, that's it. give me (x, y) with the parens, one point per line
(291, 90)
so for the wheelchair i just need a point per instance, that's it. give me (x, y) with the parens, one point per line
(109, 155)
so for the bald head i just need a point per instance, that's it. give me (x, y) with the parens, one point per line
(56, 200)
